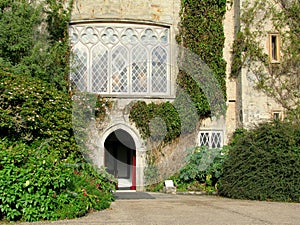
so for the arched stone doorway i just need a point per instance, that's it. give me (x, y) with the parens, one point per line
(120, 158)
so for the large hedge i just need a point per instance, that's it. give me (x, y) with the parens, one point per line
(264, 164)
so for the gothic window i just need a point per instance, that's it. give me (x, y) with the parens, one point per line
(99, 69)
(80, 68)
(211, 139)
(121, 59)
(139, 69)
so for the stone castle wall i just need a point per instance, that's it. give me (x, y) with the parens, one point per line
(137, 10)
(254, 106)
(245, 105)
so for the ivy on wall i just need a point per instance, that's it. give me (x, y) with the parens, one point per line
(277, 78)
(201, 32)
(237, 48)
(152, 114)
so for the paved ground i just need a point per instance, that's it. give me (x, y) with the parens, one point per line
(179, 209)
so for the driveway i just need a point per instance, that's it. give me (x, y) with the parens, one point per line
(189, 209)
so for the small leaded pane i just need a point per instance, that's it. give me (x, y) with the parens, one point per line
(100, 69)
(216, 140)
(139, 70)
(159, 70)
(149, 36)
(119, 69)
(164, 38)
(129, 37)
(79, 70)
(204, 139)
(89, 36)
(109, 36)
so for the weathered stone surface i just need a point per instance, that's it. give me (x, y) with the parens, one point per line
(143, 10)
(245, 105)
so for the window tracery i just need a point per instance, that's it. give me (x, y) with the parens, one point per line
(121, 59)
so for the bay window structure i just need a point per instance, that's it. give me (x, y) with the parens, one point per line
(121, 59)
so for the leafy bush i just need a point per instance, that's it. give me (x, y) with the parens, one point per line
(201, 173)
(35, 184)
(42, 171)
(203, 169)
(264, 164)
(31, 109)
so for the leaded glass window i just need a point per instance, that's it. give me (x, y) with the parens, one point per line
(121, 59)
(139, 69)
(211, 139)
(119, 69)
(99, 69)
(80, 68)
(159, 70)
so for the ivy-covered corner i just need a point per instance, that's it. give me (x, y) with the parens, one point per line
(200, 32)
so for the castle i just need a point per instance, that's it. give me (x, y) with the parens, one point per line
(126, 50)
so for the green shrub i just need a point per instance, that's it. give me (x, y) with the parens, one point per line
(42, 172)
(31, 109)
(203, 169)
(264, 164)
(201, 173)
(35, 184)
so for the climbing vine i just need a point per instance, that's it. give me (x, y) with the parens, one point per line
(237, 48)
(279, 80)
(201, 32)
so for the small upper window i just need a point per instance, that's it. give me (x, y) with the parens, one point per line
(274, 48)
(277, 115)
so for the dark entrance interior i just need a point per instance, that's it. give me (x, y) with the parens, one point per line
(120, 158)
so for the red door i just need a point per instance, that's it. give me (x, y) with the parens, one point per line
(133, 175)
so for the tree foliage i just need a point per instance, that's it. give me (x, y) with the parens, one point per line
(280, 81)
(43, 174)
(34, 39)
(19, 22)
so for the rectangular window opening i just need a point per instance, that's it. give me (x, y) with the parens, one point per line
(274, 48)
(211, 139)
(277, 115)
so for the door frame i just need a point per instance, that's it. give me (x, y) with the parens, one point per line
(113, 149)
